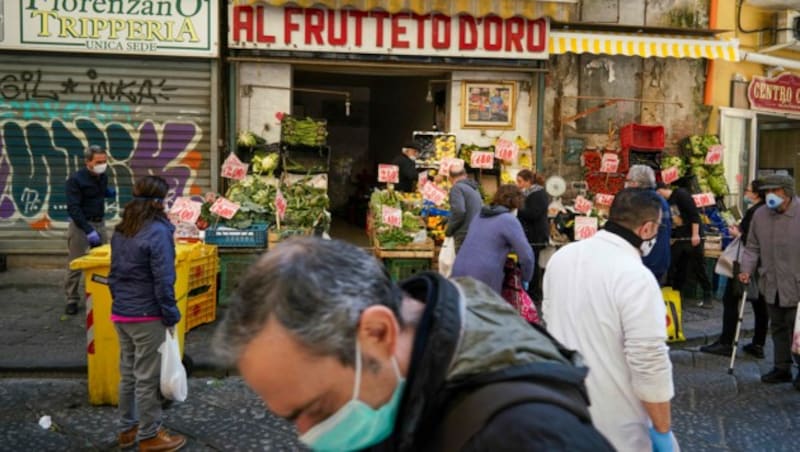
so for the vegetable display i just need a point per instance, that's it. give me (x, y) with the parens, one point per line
(710, 178)
(303, 131)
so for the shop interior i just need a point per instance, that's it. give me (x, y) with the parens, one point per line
(778, 146)
(386, 106)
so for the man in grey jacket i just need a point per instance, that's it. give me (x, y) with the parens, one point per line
(774, 237)
(465, 204)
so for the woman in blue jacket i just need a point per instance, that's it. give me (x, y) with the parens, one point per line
(142, 281)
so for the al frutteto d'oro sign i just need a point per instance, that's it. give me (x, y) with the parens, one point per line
(151, 27)
(378, 32)
(779, 94)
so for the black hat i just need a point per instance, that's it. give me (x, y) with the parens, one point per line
(411, 145)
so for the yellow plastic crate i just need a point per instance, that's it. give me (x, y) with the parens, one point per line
(201, 309)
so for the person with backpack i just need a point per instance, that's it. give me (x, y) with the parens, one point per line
(430, 364)
(600, 299)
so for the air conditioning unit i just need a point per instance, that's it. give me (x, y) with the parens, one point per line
(789, 24)
(773, 4)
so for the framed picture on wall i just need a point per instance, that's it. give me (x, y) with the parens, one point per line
(488, 105)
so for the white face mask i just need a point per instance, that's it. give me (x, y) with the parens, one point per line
(647, 246)
(100, 168)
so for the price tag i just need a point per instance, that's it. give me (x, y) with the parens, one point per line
(506, 150)
(670, 174)
(392, 216)
(480, 159)
(224, 208)
(714, 155)
(449, 162)
(422, 179)
(583, 205)
(233, 168)
(433, 193)
(603, 199)
(585, 227)
(280, 204)
(704, 199)
(388, 173)
(610, 163)
(185, 210)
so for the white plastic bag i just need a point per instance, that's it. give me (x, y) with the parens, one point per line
(796, 334)
(732, 253)
(447, 256)
(173, 375)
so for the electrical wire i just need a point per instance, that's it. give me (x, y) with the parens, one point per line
(757, 30)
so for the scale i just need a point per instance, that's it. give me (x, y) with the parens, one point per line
(555, 186)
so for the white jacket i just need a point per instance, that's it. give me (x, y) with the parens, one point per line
(601, 300)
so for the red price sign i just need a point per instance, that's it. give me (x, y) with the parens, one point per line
(714, 155)
(388, 173)
(185, 210)
(422, 179)
(233, 168)
(224, 208)
(392, 216)
(433, 193)
(582, 205)
(670, 175)
(585, 227)
(480, 159)
(704, 199)
(447, 163)
(280, 204)
(610, 163)
(603, 199)
(506, 150)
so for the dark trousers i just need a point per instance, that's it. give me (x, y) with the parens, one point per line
(782, 321)
(535, 284)
(730, 314)
(687, 260)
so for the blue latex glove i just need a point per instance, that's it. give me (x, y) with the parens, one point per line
(111, 193)
(525, 285)
(662, 442)
(94, 239)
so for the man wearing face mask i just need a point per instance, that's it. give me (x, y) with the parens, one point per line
(656, 256)
(86, 191)
(601, 300)
(330, 343)
(774, 238)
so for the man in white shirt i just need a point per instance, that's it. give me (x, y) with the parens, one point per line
(601, 300)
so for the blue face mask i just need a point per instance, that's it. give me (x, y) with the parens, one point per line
(747, 202)
(773, 201)
(356, 425)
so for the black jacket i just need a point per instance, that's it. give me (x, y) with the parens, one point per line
(451, 359)
(533, 216)
(408, 173)
(86, 193)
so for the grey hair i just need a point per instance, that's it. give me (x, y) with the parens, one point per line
(642, 175)
(317, 290)
(91, 151)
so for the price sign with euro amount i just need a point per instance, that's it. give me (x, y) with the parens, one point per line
(224, 208)
(704, 199)
(506, 150)
(422, 179)
(481, 159)
(447, 163)
(433, 193)
(185, 210)
(233, 168)
(585, 227)
(603, 199)
(389, 174)
(714, 154)
(670, 175)
(582, 205)
(392, 216)
(610, 163)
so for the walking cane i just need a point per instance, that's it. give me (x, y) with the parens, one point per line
(738, 330)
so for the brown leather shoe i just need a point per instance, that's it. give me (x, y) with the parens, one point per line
(128, 438)
(162, 442)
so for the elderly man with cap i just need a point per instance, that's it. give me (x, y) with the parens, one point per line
(465, 204)
(774, 238)
(656, 256)
(408, 168)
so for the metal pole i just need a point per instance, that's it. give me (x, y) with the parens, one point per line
(738, 327)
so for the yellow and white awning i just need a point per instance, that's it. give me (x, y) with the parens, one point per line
(632, 44)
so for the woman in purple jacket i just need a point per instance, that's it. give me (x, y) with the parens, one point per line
(492, 235)
(142, 283)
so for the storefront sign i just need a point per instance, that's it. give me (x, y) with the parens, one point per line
(224, 208)
(433, 193)
(583, 205)
(610, 163)
(585, 227)
(378, 32)
(233, 168)
(481, 159)
(714, 155)
(670, 175)
(506, 150)
(780, 94)
(704, 199)
(389, 174)
(392, 216)
(603, 199)
(159, 27)
(185, 210)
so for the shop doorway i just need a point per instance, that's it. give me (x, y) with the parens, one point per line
(386, 106)
(778, 146)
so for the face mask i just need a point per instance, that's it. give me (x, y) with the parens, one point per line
(647, 246)
(747, 202)
(100, 168)
(356, 425)
(774, 201)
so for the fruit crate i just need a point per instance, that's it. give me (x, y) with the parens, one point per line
(231, 268)
(201, 309)
(400, 269)
(642, 137)
(254, 236)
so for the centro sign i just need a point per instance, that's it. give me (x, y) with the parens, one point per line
(161, 27)
(380, 32)
(780, 94)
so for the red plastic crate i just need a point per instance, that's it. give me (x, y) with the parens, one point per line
(609, 183)
(591, 160)
(642, 137)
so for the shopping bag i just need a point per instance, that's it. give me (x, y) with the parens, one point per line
(672, 299)
(731, 254)
(515, 294)
(447, 255)
(173, 375)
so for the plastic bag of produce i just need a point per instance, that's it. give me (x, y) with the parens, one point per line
(447, 256)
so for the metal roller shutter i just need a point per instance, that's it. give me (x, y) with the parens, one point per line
(153, 117)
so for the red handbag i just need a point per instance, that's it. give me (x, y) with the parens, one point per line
(515, 294)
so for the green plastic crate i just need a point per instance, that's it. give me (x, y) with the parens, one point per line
(231, 268)
(400, 269)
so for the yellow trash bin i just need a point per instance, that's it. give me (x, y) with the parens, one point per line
(195, 284)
